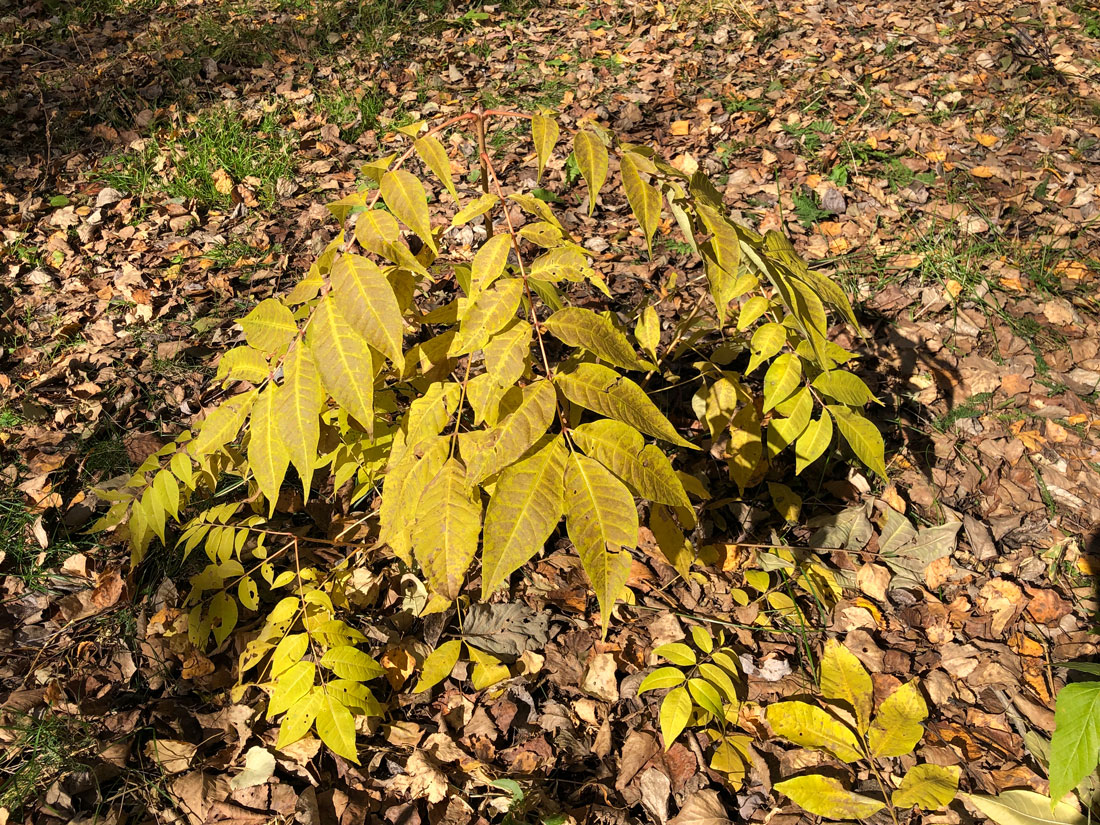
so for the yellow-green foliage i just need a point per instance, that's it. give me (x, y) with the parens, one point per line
(849, 731)
(471, 429)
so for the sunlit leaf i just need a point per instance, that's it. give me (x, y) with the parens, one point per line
(526, 506)
(336, 727)
(367, 301)
(603, 390)
(862, 436)
(930, 787)
(897, 728)
(1075, 745)
(445, 534)
(406, 198)
(602, 520)
(434, 155)
(544, 133)
(662, 677)
(644, 198)
(438, 665)
(674, 715)
(344, 361)
(811, 727)
(621, 449)
(825, 796)
(845, 679)
(295, 407)
(579, 327)
(349, 662)
(591, 155)
(486, 315)
(269, 327)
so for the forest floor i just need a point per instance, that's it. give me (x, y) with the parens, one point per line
(165, 165)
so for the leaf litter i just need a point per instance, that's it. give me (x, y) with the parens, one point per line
(943, 164)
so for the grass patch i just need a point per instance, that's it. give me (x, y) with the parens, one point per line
(354, 113)
(184, 165)
(23, 557)
(39, 750)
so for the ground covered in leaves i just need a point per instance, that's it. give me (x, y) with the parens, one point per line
(165, 165)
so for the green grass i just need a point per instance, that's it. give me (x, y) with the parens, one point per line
(218, 139)
(9, 418)
(39, 750)
(354, 113)
(23, 557)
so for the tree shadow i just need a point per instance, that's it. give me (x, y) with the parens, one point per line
(80, 80)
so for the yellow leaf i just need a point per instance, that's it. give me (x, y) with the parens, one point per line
(844, 387)
(927, 786)
(542, 233)
(661, 678)
(336, 727)
(295, 407)
(526, 506)
(591, 155)
(766, 341)
(670, 539)
(247, 593)
(862, 436)
(675, 713)
(648, 331)
(580, 327)
(222, 425)
(299, 719)
(427, 415)
(367, 302)
(746, 447)
(434, 155)
(375, 230)
(815, 439)
(486, 315)
(405, 197)
(489, 262)
(781, 379)
(601, 518)
(751, 310)
(267, 455)
(401, 491)
(269, 327)
(783, 431)
(544, 133)
(515, 434)
(222, 616)
(243, 364)
(826, 797)
(897, 727)
(507, 352)
(844, 679)
(787, 502)
(488, 669)
(477, 207)
(344, 361)
(644, 199)
(288, 652)
(603, 390)
(811, 727)
(291, 686)
(621, 449)
(439, 663)
(444, 536)
(349, 662)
